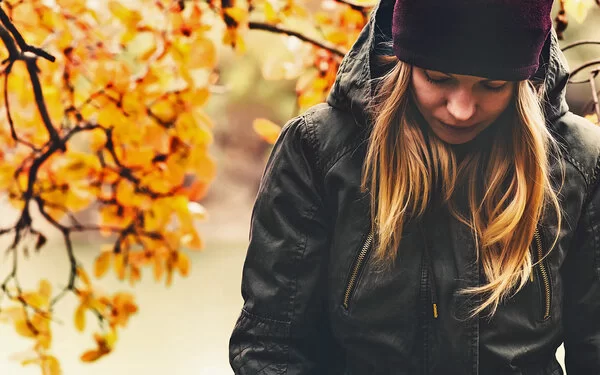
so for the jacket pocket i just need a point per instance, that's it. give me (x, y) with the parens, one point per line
(355, 271)
(541, 272)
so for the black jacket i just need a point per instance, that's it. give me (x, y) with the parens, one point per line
(315, 305)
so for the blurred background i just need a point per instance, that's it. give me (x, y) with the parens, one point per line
(184, 329)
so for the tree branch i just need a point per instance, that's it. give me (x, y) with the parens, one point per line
(580, 68)
(278, 30)
(20, 41)
(579, 43)
(41, 103)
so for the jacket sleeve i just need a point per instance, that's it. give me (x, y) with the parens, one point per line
(279, 328)
(581, 275)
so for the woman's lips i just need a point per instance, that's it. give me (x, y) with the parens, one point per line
(462, 129)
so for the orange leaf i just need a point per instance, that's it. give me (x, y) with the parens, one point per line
(83, 276)
(267, 129)
(197, 190)
(158, 269)
(183, 263)
(102, 263)
(92, 355)
(135, 275)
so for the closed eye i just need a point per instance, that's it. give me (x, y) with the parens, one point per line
(436, 80)
(494, 86)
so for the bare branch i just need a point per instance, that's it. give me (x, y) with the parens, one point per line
(20, 41)
(580, 68)
(278, 30)
(579, 43)
(41, 103)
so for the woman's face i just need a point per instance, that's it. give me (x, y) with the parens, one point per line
(458, 107)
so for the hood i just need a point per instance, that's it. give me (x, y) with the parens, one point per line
(354, 85)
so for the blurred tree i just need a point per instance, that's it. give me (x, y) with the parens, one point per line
(104, 109)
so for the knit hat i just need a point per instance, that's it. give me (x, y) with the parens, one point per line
(498, 39)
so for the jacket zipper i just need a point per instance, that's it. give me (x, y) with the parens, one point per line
(358, 263)
(544, 273)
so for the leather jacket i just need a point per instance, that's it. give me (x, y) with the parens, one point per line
(314, 304)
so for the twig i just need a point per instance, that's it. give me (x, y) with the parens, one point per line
(580, 68)
(20, 41)
(278, 30)
(41, 103)
(579, 43)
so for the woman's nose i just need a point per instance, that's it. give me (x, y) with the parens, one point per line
(461, 105)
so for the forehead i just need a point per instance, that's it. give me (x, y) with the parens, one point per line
(460, 77)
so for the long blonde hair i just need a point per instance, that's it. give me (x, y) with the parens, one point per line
(509, 187)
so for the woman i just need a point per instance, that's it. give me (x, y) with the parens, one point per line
(438, 215)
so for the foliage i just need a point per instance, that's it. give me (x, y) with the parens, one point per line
(104, 112)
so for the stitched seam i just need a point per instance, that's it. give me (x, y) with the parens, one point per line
(313, 141)
(263, 319)
(589, 188)
(596, 172)
(302, 253)
(579, 168)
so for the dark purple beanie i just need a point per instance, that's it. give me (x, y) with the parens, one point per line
(499, 39)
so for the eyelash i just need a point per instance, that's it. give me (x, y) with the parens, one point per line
(444, 80)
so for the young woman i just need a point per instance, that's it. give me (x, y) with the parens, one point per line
(440, 214)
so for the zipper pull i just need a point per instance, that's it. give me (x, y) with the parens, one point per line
(435, 311)
(531, 275)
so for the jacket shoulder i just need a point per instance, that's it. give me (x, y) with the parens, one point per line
(334, 132)
(581, 140)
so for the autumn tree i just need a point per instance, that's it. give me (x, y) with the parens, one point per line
(103, 111)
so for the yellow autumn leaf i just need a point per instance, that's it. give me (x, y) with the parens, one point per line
(135, 275)
(270, 14)
(79, 318)
(44, 340)
(183, 263)
(158, 269)
(50, 366)
(238, 14)
(267, 129)
(129, 17)
(24, 329)
(45, 289)
(593, 118)
(102, 263)
(203, 54)
(119, 265)
(125, 192)
(13, 313)
(111, 339)
(83, 276)
(143, 45)
(34, 299)
(240, 45)
(336, 36)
